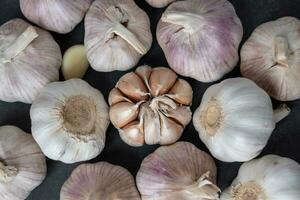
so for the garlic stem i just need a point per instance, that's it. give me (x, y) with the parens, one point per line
(281, 51)
(281, 112)
(7, 173)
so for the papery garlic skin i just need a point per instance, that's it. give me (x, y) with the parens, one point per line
(60, 16)
(200, 38)
(179, 172)
(268, 178)
(271, 58)
(99, 181)
(22, 164)
(159, 3)
(117, 35)
(69, 120)
(29, 59)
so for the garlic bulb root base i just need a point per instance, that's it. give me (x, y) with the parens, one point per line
(281, 51)
(7, 173)
(249, 190)
(281, 112)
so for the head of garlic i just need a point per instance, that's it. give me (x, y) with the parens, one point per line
(271, 58)
(22, 164)
(69, 120)
(200, 38)
(99, 181)
(268, 178)
(179, 172)
(235, 119)
(150, 105)
(60, 16)
(29, 59)
(117, 34)
(159, 3)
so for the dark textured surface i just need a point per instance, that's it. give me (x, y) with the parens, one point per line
(284, 141)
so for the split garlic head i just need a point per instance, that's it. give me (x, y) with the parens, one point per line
(60, 16)
(29, 59)
(69, 120)
(22, 164)
(200, 38)
(179, 172)
(271, 58)
(99, 181)
(269, 178)
(159, 3)
(150, 105)
(117, 34)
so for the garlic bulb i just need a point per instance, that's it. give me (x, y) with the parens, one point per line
(22, 164)
(29, 59)
(235, 119)
(69, 120)
(60, 16)
(271, 58)
(200, 38)
(269, 178)
(99, 181)
(150, 105)
(178, 172)
(117, 34)
(159, 3)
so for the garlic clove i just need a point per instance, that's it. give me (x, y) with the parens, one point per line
(115, 96)
(144, 73)
(132, 134)
(181, 92)
(159, 3)
(181, 115)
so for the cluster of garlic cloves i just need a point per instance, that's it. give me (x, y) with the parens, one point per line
(159, 3)
(150, 105)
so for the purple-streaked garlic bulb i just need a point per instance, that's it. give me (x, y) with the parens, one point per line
(159, 3)
(178, 172)
(117, 34)
(200, 38)
(60, 16)
(150, 105)
(29, 59)
(22, 164)
(271, 58)
(99, 181)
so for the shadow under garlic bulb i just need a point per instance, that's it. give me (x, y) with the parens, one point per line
(60, 16)
(69, 121)
(150, 105)
(100, 181)
(200, 38)
(159, 3)
(179, 172)
(22, 164)
(271, 58)
(29, 59)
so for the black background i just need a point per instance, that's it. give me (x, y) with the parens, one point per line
(285, 140)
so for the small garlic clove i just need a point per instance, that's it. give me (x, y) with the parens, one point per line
(181, 92)
(116, 96)
(144, 73)
(181, 114)
(132, 134)
(161, 80)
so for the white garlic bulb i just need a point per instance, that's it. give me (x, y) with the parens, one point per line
(269, 178)
(99, 181)
(60, 16)
(178, 172)
(117, 34)
(271, 58)
(150, 105)
(200, 38)
(22, 164)
(159, 3)
(69, 120)
(235, 119)
(29, 59)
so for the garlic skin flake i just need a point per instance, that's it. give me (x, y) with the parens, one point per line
(235, 119)
(200, 38)
(99, 181)
(150, 106)
(60, 16)
(268, 178)
(22, 164)
(271, 58)
(69, 120)
(29, 59)
(117, 35)
(179, 172)
(159, 3)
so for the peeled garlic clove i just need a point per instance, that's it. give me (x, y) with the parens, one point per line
(22, 164)
(181, 92)
(159, 3)
(266, 178)
(115, 96)
(99, 181)
(271, 58)
(29, 59)
(69, 120)
(178, 171)
(60, 16)
(117, 35)
(132, 134)
(200, 38)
